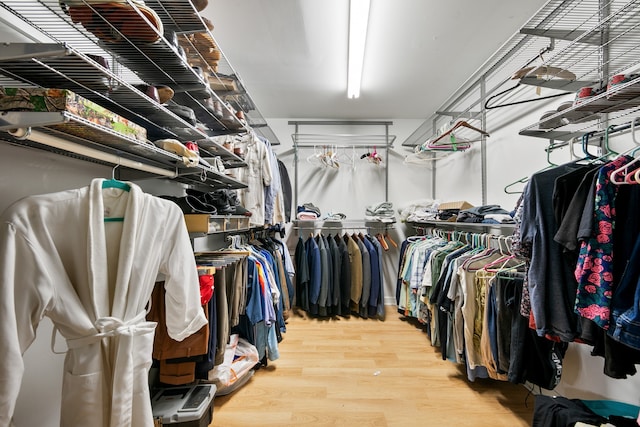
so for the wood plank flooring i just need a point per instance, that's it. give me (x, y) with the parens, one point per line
(363, 372)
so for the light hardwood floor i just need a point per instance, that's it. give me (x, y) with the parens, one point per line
(357, 372)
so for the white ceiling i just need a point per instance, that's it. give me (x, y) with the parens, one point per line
(292, 54)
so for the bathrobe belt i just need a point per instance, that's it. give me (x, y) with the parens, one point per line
(125, 360)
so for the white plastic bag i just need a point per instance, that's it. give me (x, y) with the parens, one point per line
(240, 357)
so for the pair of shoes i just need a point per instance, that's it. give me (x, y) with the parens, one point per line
(550, 123)
(570, 117)
(220, 198)
(185, 113)
(225, 201)
(238, 209)
(628, 92)
(191, 204)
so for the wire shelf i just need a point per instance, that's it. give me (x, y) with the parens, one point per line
(593, 39)
(173, 59)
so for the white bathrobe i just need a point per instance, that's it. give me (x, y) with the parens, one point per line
(93, 279)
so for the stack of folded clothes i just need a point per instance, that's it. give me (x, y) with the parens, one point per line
(420, 210)
(487, 214)
(380, 212)
(334, 217)
(308, 212)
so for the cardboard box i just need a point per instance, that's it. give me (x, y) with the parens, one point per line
(198, 223)
(461, 205)
(204, 223)
(53, 100)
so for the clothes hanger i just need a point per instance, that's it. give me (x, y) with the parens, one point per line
(593, 159)
(524, 101)
(375, 158)
(114, 183)
(524, 180)
(585, 145)
(393, 243)
(330, 158)
(382, 241)
(502, 262)
(525, 71)
(317, 155)
(625, 174)
(608, 152)
(508, 190)
(458, 124)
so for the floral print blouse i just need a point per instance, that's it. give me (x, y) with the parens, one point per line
(594, 270)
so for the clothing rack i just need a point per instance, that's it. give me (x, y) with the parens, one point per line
(345, 140)
(426, 227)
(344, 225)
(455, 283)
(501, 242)
(220, 259)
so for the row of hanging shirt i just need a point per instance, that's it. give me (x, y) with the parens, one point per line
(468, 295)
(340, 275)
(579, 231)
(252, 295)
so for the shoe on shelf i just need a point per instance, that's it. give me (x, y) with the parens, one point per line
(625, 94)
(573, 116)
(220, 199)
(165, 94)
(191, 204)
(550, 123)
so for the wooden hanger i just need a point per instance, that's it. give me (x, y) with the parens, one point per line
(393, 243)
(383, 242)
(433, 144)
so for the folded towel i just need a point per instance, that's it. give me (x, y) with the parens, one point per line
(306, 216)
(382, 209)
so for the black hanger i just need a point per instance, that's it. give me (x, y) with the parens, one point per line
(491, 98)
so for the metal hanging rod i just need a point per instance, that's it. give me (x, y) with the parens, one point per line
(342, 140)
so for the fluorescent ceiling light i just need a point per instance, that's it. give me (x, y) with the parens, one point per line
(358, 22)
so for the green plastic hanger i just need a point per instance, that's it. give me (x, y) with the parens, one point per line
(114, 183)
